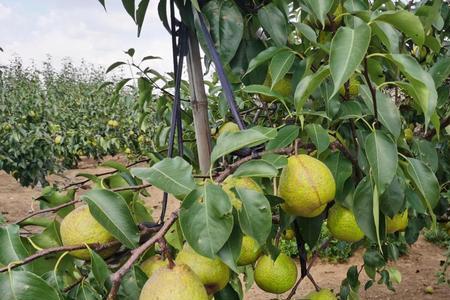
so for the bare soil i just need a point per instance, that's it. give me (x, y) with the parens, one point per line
(418, 268)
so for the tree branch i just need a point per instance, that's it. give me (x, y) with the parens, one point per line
(221, 176)
(48, 251)
(104, 173)
(336, 145)
(231, 168)
(47, 210)
(56, 208)
(116, 278)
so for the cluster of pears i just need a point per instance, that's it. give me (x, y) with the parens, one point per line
(193, 276)
(199, 277)
(307, 186)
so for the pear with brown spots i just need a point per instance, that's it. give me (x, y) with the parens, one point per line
(306, 185)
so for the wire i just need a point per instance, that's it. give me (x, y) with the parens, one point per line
(226, 86)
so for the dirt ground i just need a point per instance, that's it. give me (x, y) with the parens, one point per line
(418, 268)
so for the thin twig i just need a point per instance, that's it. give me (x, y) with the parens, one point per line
(56, 208)
(166, 252)
(45, 252)
(104, 173)
(316, 286)
(132, 187)
(232, 167)
(47, 210)
(313, 260)
(116, 278)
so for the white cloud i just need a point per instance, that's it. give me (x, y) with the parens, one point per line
(80, 32)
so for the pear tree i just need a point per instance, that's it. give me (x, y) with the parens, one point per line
(312, 113)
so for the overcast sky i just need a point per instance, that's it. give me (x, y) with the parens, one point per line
(79, 29)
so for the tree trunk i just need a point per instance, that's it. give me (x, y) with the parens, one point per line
(199, 103)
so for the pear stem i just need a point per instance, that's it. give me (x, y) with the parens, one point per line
(166, 252)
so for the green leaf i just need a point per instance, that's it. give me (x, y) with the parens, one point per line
(376, 214)
(99, 268)
(129, 7)
(145, 92)
(112, 212)
(387, 35)
(140, 14)
(227, 293)
(89, 176)
(206, 219)
(232, 141)
(406, 22)
(382, 156)
(415, 225)
(262, 57)
(392, 201)
(132, 283)
(394, 275)
(285, 137)
(440, 71)
(348, 48)
(350, 110)
(150, 57)
(263, 90)
(53, 197)
(308, 85)
(49, 237)
(372, 260)
(102, 2)
(388, 112)
(355, 6)
(422, 87)
(256, 168)
(276, 160)
(433, 43)
(174, 236)
(255, 216)
(12, 249)
(425, 182)
(431, 15)
(319, 137)
(274, 22)
(115, 165)
(162, 12)
(281, 64)
(310, 229)
(172, 175)
(320, 9)
(307, 32)
(86, 292)
(230, 252)
(115, 65)
(363, 209)
(342, 169)
(226, 26)
(426, 152)
(23, 285)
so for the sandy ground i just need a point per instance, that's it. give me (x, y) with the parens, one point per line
(418, 268)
